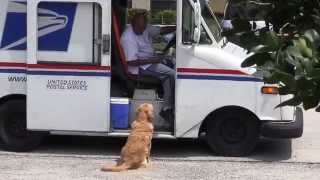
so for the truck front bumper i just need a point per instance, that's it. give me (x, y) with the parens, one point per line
(290, 129)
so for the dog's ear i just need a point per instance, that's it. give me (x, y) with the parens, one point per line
(139, 109)
(149, 112)
(150, 116)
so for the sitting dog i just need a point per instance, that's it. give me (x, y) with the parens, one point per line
(136, 152)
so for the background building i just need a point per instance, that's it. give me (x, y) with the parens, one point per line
(153, 4)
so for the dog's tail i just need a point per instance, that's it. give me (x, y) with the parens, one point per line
(122, 167)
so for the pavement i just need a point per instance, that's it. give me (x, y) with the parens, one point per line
(61, 157)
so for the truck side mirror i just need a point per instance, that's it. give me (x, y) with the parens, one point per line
(197, 21)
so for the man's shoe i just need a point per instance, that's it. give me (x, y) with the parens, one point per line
(167, 115)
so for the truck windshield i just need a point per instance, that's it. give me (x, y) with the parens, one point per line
(211, 20)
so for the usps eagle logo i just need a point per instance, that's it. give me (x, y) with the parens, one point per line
(55, 22)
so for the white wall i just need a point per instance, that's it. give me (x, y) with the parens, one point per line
(141, 4)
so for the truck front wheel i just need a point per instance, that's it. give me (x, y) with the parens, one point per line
(233, 133)
(13, 127)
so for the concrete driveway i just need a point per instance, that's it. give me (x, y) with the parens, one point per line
(63, 157)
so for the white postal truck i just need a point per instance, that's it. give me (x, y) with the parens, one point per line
(63, 72)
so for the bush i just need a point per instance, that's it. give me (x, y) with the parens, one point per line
(288, 55)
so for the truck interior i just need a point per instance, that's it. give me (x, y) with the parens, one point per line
(138, 89)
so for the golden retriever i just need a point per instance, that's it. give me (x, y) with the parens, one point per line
(136, 152)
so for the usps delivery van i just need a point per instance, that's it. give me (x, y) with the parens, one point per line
(63, 72)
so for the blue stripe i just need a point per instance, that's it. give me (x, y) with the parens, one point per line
(220, 78)
(23, 71)
(108, 74)
(64, 73)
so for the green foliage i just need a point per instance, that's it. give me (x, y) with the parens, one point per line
(287, 51)
(166, 17)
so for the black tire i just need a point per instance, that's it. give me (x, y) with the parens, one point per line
(233, 133)
(13, 128)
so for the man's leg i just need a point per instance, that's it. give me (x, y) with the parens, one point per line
(167, 77)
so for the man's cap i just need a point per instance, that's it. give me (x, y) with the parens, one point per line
(138, 12)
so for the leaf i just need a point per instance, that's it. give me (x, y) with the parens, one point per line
(250, 61)
(301, 43)
(310, 102)
(306, 89)
(315, 74)
(299, 69)
(272, 40)
(268, 66)
(285, 90)
(256, 59)
(286, 78)
(308, 65)
(295, 101)
(261, 49)
(292, 53)
(312, 35)
(248, 40)
(270, 78)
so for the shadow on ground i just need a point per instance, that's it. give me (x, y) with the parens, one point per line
(267, 150)
(273, 150)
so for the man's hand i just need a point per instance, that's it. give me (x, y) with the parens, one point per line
(141, 62)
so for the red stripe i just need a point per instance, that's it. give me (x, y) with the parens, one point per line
(211, 71)
(68, 66)
(7, 64)
(55, 66)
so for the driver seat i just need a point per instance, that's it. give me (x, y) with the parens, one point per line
(146, 82)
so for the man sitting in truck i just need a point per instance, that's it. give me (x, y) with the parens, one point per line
(136, 41)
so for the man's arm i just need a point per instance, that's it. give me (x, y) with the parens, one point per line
(167, 29)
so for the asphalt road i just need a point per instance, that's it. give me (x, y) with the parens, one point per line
(63, 157)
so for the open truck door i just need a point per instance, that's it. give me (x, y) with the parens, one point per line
(68, 65)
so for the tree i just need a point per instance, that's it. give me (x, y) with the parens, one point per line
(287, 50)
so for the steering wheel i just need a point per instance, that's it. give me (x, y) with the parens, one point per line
(171, 43)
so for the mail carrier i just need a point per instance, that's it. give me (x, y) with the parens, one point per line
(63, 71)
